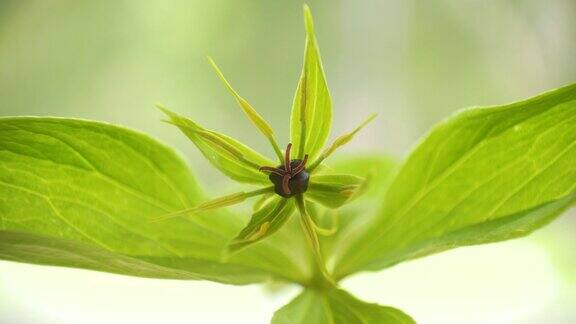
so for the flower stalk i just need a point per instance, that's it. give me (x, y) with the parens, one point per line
(322, 277)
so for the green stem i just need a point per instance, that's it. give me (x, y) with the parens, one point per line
(325, 280)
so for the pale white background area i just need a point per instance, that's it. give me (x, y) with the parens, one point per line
(512, 282)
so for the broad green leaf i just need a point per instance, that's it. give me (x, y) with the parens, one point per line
(336, 307)
(250, 112)
(265, 222)
(484, 175)
(55, 251)
(231, 157)
(333, 190)
(312, 109)
(82, 194)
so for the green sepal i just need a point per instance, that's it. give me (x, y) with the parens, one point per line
(376, 168)
(264, 222)
(228, 155)
(334, 190)
(311, 118)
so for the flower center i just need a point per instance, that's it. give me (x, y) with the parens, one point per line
(291, 178)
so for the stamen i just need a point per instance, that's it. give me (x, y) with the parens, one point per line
(287, 160)
(285, 184)
(277, 171)
(300, 166)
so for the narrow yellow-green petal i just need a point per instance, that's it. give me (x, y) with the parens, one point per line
(220, 202)
(250, 112)
(340, 141)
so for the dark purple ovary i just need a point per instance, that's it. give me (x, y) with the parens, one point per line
(297, 184)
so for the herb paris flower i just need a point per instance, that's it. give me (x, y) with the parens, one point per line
(295, 182)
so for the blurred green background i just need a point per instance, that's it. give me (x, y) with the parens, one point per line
(413, 62)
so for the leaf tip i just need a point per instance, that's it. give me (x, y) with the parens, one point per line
(369, 119)
(165, 110)
(223, 79)
(308, 21)
(212, 63)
